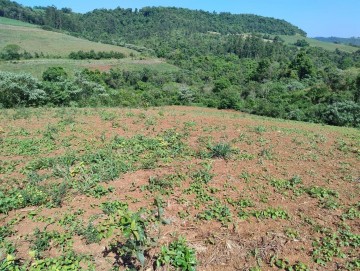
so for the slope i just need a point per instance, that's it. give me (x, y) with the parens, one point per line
(34, 39)
(245, 191)
(313, 42)
(53, 49)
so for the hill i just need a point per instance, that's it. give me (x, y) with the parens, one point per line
(315, 42)
(111, 188)
(349, 41)
(132, 25)
(36, 40)
(53, 49)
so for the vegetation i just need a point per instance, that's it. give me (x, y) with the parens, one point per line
(98, 173)
(102, 188)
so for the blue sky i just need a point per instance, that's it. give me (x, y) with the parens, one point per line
(317, 17)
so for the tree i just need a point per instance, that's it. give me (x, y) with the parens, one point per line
(54, 74)
(302, 43)
(357, 90)
(11, 52)
(303, 65)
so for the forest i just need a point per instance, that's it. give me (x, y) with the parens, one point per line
(224, 60)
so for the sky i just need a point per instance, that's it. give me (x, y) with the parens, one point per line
(325, 18)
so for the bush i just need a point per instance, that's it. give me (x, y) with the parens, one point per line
(342, 114)
(20, 90)
(54, 74)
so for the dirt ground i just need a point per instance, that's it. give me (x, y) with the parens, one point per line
(283, 194)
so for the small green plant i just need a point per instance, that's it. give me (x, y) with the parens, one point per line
(292, 233)
(286, 184)
(284, 264)
(259, 129)
(218, 212)
(177, 255)
(220, 150)
(321, 192)
(352, 213)
(273, 213)
(113, 206)
(326, 248)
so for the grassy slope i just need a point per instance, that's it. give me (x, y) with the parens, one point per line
(33, 39)
(37, 40)
(316, 43)
(8, 21)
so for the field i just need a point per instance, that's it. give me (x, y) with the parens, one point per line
(36, 40)
(7, 21)
(316, 43)
(176, 187)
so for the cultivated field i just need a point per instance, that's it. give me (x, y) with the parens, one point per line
(110, 189)
(36, 40)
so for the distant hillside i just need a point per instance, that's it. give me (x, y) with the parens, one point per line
(35, 40)
(130, 26)
(314, 42)
(350, 41)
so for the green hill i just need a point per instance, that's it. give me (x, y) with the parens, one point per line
(54, 48)
(33, 39)
(317, 43)
(7, 21)
(350, 41)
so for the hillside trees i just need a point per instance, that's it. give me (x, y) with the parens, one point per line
(302, 65)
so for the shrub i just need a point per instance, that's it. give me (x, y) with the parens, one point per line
(54, 74)
(342, 114)
(20, 90)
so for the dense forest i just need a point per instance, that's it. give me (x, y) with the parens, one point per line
(225, 61)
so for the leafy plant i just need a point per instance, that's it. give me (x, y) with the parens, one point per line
(218, 212)
(220, 150)
(177, 255)
(272, 213)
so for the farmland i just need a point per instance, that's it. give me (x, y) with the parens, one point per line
(110, 189)
(36, 40)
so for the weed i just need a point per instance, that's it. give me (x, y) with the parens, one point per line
(99, 191)
(164, 185)
(113, 206)
(292, 233)
(286, 184)
(259, 129)
(285, 265)
(321, 192)
(270, 213)
(218, 212)
(177, 255)
(220, 150)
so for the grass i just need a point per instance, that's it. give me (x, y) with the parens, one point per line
(316, 43)
(56, 47)
(77, 190)
(7, 21)
(34, 39)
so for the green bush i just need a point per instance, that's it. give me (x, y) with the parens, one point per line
(20, 90)
(342, 114)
